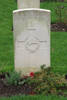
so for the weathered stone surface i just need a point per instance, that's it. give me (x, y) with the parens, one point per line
(22, 4)
(31, 39)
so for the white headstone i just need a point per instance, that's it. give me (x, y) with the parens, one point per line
(31, 39)
(22, 4)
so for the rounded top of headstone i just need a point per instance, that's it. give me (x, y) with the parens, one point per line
(22, 4)
(32, 9)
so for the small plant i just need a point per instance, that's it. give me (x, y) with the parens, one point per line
(24, 81)
(27, 79)
(13, 78)
(43, 67)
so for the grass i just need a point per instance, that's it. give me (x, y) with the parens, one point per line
(34, 98)
(59, 52)
(6, 35)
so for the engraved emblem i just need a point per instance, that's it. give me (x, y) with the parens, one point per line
(32, 44)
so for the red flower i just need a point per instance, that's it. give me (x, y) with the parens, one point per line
(31, 74)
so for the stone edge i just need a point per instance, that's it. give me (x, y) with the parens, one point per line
(30, 9)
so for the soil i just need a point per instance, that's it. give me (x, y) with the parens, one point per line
(10, 90)
(59, 27)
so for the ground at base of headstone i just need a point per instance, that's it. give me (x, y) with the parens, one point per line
(44, 82)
